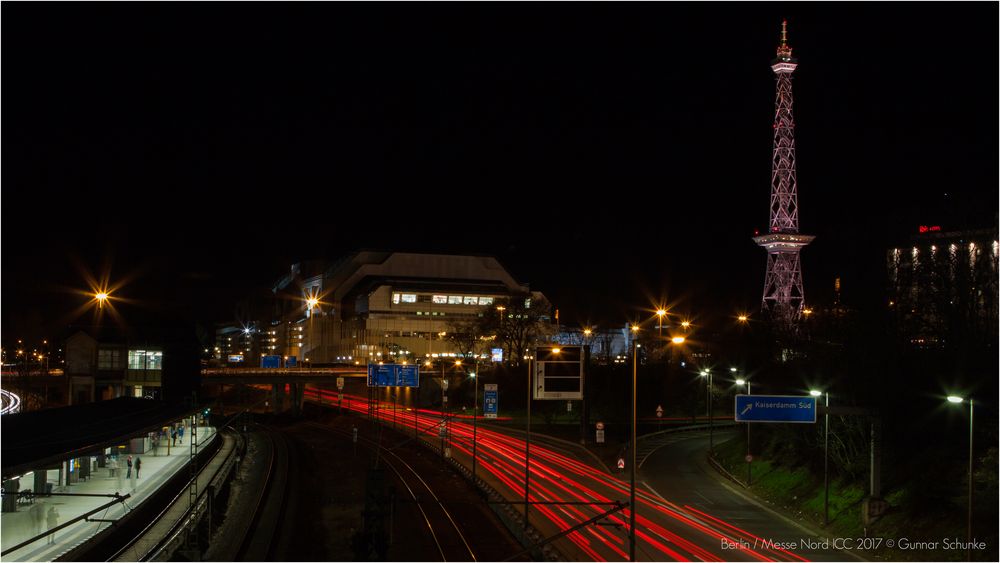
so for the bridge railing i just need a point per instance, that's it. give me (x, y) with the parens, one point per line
(281, 371)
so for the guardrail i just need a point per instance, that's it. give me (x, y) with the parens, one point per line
(689, 428)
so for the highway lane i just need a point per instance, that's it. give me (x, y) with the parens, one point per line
(665, 530)
(678, 471)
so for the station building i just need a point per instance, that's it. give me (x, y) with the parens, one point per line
(381, 305)
(102, 365)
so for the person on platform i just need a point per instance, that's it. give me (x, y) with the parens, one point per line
(138, 466)
(128, 474)
(173, 436)
(37, 512)
(52, 518)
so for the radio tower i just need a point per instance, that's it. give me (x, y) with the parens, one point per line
(783, 294)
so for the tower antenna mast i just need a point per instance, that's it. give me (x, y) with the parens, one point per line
(784, 297)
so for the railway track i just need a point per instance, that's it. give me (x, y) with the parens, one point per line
(449, 540)
(162, 532)
(261, 538)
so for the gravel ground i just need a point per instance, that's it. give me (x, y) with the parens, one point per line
(331, 499)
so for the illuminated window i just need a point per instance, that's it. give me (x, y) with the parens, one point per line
(395, 298)
(154, 360)
(470, 301)
(527, 303)
(136, 359)
(442, 299)
(485, 300)
(109, 359)
(454, 299)
(408, 297)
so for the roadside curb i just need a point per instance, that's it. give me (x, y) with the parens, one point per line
(715, 469)
(718, 467)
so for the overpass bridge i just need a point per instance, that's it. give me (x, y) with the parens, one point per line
(256, 376)
(295, 379)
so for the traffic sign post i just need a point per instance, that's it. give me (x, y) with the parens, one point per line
(775, 408)
(600, 437)
(558, 373)
(340, 396)
(490, 400)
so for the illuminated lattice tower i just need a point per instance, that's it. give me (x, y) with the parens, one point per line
(783, 294)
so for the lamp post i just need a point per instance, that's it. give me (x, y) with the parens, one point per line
(707, 374)
(826, 456)
(475, 418)
(968, 529)
(659, 324)
(500, 310)
(631, 502)
(311, 302)
(527, 449)
(749, 462)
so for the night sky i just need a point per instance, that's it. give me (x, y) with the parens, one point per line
(609, 155)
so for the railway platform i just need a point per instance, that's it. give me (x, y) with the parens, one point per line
(36, 513)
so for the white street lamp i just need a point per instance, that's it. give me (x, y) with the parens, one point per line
(968, 538)
(826, 456)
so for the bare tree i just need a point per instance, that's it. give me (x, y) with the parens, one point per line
(521, 322)
(465, 333)
(526, 321)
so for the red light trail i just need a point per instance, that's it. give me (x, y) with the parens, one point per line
(664, 531)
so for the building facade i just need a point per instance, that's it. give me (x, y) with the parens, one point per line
(108, 368)
(372, 306)
(943, 285)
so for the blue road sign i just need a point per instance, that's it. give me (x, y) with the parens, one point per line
(393, 375)
(290, 362)
(408, 375)
(775, 408)
(381, 375)
(490, 402)
(270, 361)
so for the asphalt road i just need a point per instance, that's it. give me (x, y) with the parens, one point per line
(679, 473)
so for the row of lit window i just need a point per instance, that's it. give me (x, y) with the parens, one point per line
(398, 298)
(141, 359)
(952, 247)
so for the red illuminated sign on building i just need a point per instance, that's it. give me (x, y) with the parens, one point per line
(926, 229)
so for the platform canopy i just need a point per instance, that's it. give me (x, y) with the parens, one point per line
(40, 438)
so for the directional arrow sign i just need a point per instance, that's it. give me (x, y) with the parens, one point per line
(775, 408)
